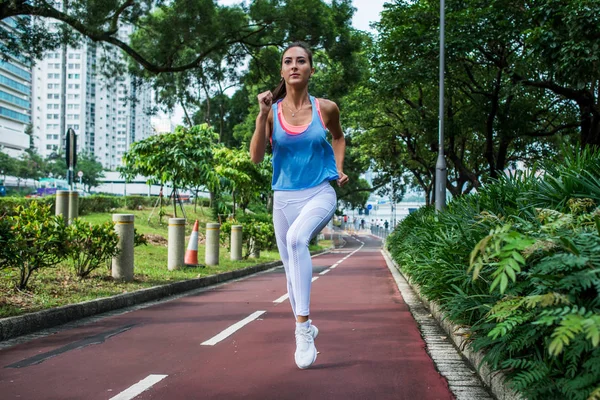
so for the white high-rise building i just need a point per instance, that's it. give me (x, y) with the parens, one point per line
(107, 113)
(15, 100)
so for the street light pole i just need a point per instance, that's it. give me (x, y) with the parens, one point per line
(440, 166)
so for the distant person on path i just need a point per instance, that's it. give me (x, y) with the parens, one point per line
(304, 164)
(386, 224)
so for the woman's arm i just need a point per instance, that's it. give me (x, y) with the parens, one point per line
(262, 130)
(331, 117)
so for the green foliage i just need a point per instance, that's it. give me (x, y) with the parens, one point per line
(91, 168)
(38, 240)
(8, 205)
(246, 181)
(98, 203)
(258, 227)
(135, 202)
(519, 263)
(501, 249)
(184, 158)
(90, 246)
(5, 237)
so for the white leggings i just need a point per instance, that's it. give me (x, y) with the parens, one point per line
(298, 216)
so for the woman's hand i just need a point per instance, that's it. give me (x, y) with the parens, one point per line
(265, 99)
(343, 179)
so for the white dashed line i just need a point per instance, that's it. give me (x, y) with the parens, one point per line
(281, 299)
(335, 265)
(232, 329)
(314, 279)
(324, 272)
(141, 386)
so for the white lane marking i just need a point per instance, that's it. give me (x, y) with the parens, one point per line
(232, 329)
(324, 272)
(335, 265)
(314, 279)
(141, 386)
(281, 299)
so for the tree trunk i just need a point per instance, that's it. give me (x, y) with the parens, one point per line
(590, 126)
(187, 117)
(233, 198)
(174, 195)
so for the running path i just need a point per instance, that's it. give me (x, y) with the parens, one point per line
(369, 345)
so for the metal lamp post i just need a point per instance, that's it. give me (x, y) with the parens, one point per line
(71, 156)
(440, 166)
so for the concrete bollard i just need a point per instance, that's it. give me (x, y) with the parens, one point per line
(122, 264)
(176, 241)
(236, 242)
(62, 204)
(211, 257)
(73, 205)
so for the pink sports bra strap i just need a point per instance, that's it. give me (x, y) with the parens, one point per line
(297, 129)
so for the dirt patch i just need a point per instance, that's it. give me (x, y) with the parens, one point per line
(156, 239)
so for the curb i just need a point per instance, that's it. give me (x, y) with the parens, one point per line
(13, 327)
(493, 380)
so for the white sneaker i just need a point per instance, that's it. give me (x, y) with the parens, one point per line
(313, 329)
(306, 352)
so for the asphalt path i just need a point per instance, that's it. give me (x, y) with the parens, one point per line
(236, 341)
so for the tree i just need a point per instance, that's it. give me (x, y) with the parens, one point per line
(492, 120)
(247, 181)
(184, 158)
(91, 168)
(56, 166)
(562, 36)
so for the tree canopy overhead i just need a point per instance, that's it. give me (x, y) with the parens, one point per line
(173, 36)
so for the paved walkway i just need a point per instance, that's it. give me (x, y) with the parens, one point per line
(236, 341)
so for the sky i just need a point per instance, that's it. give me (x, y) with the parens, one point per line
(366, 12)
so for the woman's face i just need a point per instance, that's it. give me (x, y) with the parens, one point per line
(295, 66)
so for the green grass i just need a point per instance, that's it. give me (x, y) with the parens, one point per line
(59, 286)
(153, 225)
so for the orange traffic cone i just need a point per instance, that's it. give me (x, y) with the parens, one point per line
(191, 254)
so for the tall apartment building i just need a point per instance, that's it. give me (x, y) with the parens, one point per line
(107, 113)
(15, 100)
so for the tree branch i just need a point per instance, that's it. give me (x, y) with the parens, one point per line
(9, 9)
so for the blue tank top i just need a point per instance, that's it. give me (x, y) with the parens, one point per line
(303, 160)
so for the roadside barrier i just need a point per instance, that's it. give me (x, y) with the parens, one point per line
(176, 246)
(236, 242)
(122, 264)
(211, 256)
(62, 205)
(73, 205)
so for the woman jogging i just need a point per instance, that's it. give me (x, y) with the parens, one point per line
(304, 164)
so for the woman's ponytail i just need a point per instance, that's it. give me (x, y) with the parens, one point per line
(279, 92)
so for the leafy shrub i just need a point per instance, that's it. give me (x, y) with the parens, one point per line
(38, 240)
(519, 263)
(8, 205)
(6, 247)
(91, 245)
(134, 202)
(254, 226)
(98, 204)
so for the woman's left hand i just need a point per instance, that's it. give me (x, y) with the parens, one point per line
(343, 179)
